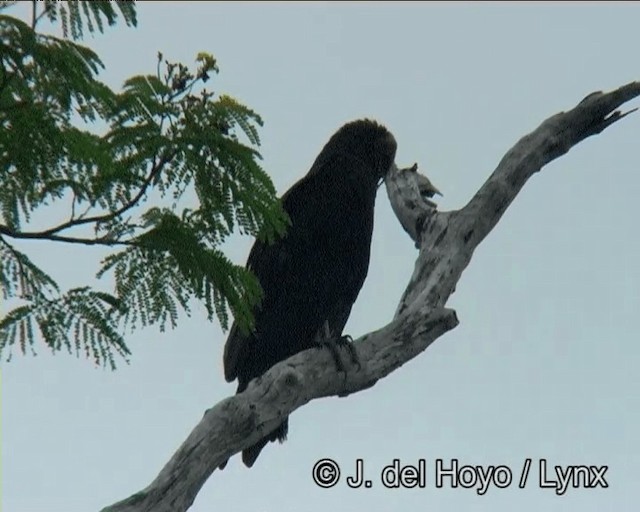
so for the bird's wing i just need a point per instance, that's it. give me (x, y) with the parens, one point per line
(267, 262)
(282, 266)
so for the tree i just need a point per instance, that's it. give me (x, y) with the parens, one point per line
(165, 135)
(446, 241)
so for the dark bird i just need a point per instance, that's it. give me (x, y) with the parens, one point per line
(312, 276)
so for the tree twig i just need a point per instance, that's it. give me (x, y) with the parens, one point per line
(4, 230)
(50, 234)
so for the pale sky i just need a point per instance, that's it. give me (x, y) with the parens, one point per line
(544, 363)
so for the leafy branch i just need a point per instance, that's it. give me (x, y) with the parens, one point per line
(167, 137)
(74, 15)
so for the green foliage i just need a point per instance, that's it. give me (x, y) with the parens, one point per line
(81, 315)
(166, 136)
(186, 266)
(43, 79)
(74, 15)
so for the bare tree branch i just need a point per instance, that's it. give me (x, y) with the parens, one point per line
(240, 420)
(446, 240)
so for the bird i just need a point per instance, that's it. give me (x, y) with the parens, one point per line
(311, 277)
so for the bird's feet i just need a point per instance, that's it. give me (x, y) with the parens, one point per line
(334, 345)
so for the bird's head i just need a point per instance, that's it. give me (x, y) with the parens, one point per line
(366, 141)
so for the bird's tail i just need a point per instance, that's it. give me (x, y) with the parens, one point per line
(250, 455)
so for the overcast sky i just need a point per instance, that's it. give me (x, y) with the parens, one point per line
(544, 363)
